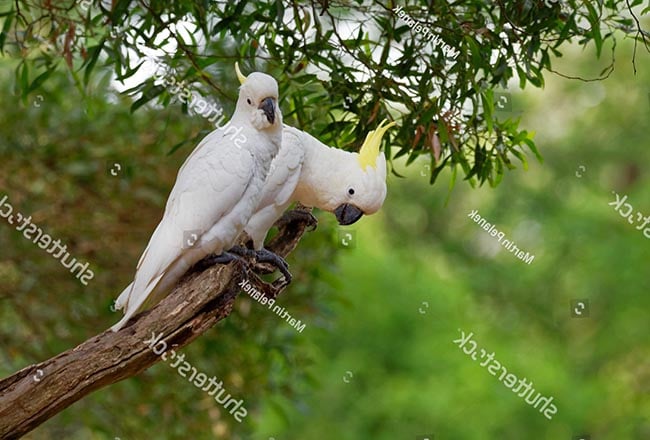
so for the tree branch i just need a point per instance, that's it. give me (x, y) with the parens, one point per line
(38, 392)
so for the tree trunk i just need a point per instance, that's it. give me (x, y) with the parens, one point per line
(32, 395)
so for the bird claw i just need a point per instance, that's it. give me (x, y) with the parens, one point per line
(244, 255)
(266, 256)
(222, 258)
(298, 215)
(242, 252)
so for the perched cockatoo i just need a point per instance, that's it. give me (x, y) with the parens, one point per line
(216, 192)
(308, 171)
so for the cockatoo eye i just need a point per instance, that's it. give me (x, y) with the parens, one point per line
(249, 102)
(351, 191)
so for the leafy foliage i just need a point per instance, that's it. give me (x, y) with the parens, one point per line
(361, 57)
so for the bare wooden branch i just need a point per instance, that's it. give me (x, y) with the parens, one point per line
(36, 393)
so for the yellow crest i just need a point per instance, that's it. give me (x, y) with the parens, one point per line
(370, 148)
(240, 76)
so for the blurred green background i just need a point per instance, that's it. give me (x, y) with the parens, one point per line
(381, 314)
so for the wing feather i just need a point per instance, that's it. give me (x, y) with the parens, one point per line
(191, 212)
(279, 186)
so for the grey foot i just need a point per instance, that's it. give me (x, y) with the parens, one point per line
(223, 258)
(298, 216)
(242, 252)
(266, 256)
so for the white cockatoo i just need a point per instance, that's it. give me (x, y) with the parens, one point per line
(216, 192)
(308, 171)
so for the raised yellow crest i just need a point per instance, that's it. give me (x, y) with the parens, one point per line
(370, 148)
(240, 76)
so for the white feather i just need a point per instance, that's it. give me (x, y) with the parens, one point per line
(279, 186)
(314, 174)
(216, 191)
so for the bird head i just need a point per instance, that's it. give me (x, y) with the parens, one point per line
(259, 94)
(360, 187)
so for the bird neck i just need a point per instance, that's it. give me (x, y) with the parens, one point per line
(322, 168)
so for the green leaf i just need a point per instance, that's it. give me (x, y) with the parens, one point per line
(24, 81)
(92, 60)
(5, 30)
(521, 157)
(488, 108)
(40, 79)
(531, 145)
(438, 170)
(119, 9)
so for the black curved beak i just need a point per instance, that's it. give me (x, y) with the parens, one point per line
(347, 214)
(268, 106)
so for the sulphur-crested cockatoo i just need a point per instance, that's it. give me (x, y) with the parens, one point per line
(216, 191)
(308, 171)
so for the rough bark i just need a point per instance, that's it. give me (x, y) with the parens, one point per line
(36, 393)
